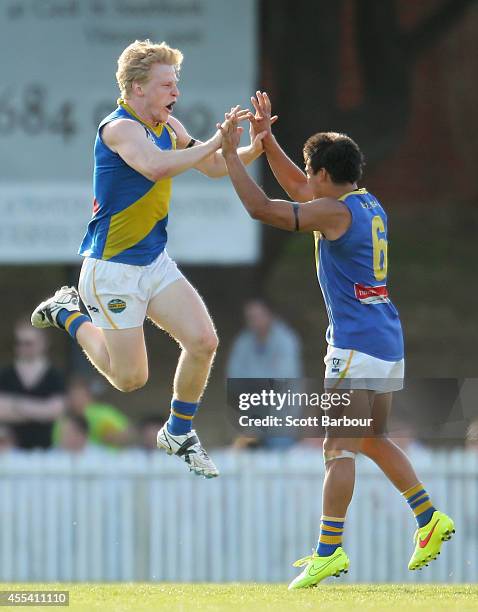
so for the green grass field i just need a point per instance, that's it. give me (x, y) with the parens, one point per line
(139, 597)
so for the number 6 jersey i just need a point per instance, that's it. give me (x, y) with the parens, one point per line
(352, 273)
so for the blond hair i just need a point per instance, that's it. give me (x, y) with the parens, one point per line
(136, 60)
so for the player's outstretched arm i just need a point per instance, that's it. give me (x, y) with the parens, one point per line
(129, 139)
(327, 215)
(290, 177)
(214, 165)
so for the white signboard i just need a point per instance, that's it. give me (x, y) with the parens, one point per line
(58, 67)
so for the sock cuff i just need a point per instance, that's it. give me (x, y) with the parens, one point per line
(69, 320)
(183, 410)
(333, 519)
(74, 322)
(182, 414)
(185, 417)
(413, 490)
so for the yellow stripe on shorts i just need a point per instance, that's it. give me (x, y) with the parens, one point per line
(110, 320)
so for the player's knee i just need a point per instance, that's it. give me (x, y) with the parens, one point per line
(338, 448)
(131, 381)
(331, 444)
(204, 344)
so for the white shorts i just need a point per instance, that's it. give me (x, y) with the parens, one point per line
(117, 295)
(349, 369)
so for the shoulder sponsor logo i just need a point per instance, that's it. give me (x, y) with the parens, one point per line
(116, 305)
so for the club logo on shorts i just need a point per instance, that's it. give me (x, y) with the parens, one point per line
(116, 305)
(335, 365)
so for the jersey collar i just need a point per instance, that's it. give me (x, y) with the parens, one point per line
(157, 130)
(361, 191)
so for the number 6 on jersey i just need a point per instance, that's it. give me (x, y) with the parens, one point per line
(380, 246)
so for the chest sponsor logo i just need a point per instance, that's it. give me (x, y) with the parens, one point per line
(116, 305)
(371, 295)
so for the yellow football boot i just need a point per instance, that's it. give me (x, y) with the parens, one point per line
(428, 539)
(318, 568)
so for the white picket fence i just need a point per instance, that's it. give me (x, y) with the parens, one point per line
(139, 517)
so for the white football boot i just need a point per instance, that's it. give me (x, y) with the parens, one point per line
(45, 313)
(189, 449)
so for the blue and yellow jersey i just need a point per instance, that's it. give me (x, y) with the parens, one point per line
(130, 212)
(352, 273)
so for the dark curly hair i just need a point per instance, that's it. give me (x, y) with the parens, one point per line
(336, 153)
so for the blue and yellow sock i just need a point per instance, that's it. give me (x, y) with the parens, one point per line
(331, 532)
(419, 501)
(71, 321)
(180, 421)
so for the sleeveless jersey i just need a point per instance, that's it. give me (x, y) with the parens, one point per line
(352, 273)
(130, 212)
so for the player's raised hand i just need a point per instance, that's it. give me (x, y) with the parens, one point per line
(231, 133)
(262, 120)
(238, 114)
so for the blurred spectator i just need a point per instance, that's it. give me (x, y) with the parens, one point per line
(7, 439)
(107, 426)
(31, 390)
(472, 436)
(73, 433)
(266, 348)
(148, 432)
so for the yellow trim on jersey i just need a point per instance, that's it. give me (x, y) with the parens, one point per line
(157, 130)
(172, 135)
(131, 225)
(317, 237)
(110, 320)
(361, 191)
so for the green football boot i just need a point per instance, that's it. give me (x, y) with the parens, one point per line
(317, 568)
(429, 538)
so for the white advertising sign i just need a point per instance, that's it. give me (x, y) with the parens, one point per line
(58, 66)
